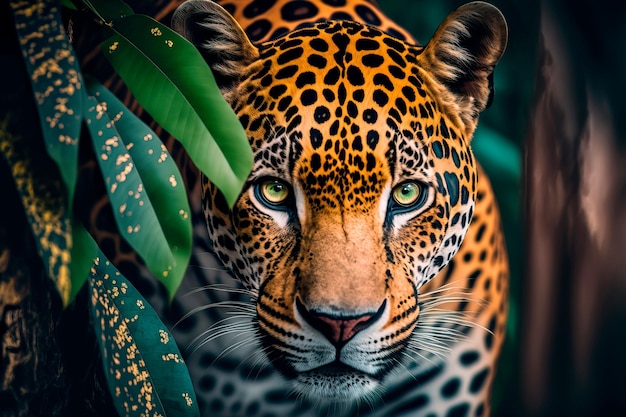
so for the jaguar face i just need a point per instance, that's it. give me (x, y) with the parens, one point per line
(363, 183)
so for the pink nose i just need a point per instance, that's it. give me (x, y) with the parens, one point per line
(338, 328)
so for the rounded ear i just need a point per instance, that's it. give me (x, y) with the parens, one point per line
(219, 38)
(462, 55)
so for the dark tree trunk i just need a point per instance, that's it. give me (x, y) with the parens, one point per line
(573, 334)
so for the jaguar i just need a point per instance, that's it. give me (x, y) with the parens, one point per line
(367, 236)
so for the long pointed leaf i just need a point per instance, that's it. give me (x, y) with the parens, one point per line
(84, 251)
(56, 81)
(161, 180)
(132, 208)
(173, 83)
(144, 369)
(41, 190)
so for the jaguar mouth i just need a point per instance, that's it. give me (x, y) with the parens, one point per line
(336, 382)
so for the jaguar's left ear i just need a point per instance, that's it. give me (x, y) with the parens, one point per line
(462, 55)
(219, 38)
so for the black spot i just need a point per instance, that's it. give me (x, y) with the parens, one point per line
(401, 105)
(341, 40)
(340, 16)
(409, 93)
(298, 10)
(257, 7)
(450, 388)
(478, 381)
(382, 79)
(352, 109)
(473, 277)
(290, 55)
(216, 405)
(329, 95)
(397, 58)
(469, 358)
(258, 29)
(437, 149)
(286, 72)
(316, 138)
(372, 60)
(357, 145)
(380, 97)
(277, 91)
(291, 111)
(321, 114)
(460, 410)
(481, 231)
(370, 116)
(332, 76)
(455, 157)
(253, 408)
(480, 410)
(305, 78)
(317, 61)
(308, 97)
(397, 72)
(288, 44)
(334, 128)
(452, 183)
(207, 382)
(489, 335)
(371, 161)
(342, 93)
(410, 407)
(372, 139)
(358, 95)
(443, 129)
(368, 15)
(366, 45)
(284, 103)
(316, 162)
(335, 3)
(464, 195)
(320, 45)
(355, 76)
(392, 43)
(267, 80)
(228, 389)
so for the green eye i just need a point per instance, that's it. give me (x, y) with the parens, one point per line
(407, 194)
(274, 191)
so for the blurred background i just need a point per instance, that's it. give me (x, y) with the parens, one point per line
(552, 147)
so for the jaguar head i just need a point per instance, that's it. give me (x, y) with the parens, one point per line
(363, 183)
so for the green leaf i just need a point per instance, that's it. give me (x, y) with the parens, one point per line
(42, 195)
(173, 83)
(161, 180)
(145, 371)
(132, 208)
(68, 4)
(56, 80)
(84, 251)
(108, 10)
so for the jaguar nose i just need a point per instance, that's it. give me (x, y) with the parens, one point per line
(339, 328)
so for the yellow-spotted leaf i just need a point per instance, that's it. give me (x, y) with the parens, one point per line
(174, 84)
(134, 213)
(145, 371)
(56, 80)
(161, 179)
(41, 191)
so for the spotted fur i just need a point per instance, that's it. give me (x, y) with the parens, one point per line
(359, 296)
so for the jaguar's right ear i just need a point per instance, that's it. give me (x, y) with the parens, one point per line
(219, 38)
